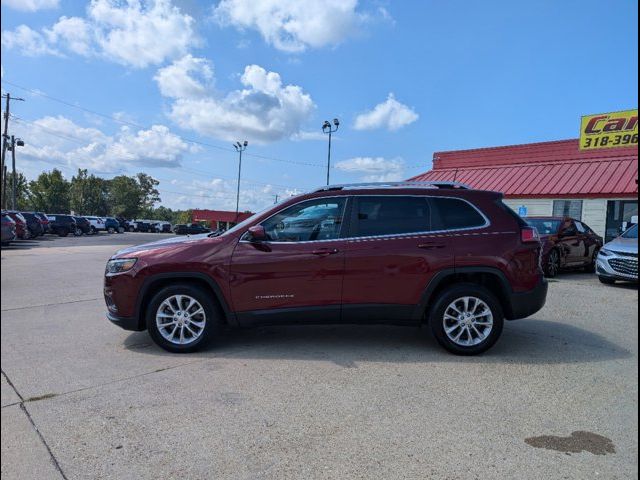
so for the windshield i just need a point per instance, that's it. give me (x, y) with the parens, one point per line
(545, 226)
(631, 233)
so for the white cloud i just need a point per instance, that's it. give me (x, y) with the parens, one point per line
(30, 5)
(133, 33)
(187, 77)
(390, 114)
(263, 111)
(219, 194)
(30, 42)
(374, 169)
(293, 25)
(58, 140)
(73, 33)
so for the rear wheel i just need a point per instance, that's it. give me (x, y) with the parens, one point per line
(77, 232)
(111, 230)
(182, 318)
(467, 319)
(131, 229)
(553, 264)
(120, 229)
(93, 230)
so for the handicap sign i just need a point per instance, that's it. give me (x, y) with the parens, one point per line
(523, 210)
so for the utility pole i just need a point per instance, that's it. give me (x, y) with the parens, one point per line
(5, 139)
(240, 147)
(329, 130)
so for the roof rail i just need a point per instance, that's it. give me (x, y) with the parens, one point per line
(374, 185)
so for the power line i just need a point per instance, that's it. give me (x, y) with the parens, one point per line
(137, 125)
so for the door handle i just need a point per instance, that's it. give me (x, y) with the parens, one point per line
(431, 246)
(323, 252)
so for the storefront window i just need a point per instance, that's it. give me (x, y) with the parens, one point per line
(568, 208)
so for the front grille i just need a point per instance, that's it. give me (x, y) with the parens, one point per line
(625, 266)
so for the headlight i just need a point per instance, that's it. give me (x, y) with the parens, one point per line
(606, 253)
(120, 265)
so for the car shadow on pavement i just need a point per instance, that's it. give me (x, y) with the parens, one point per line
(522, 342)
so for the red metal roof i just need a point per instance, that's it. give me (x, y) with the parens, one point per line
(219, 216)
(557, 169)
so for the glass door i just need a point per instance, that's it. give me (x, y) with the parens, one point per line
(620, 214)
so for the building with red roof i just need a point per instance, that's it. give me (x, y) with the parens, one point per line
(598, 187)
(219, 219)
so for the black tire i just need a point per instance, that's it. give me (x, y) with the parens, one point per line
(62, 232)
(552, 268)
(446, 298)
(93, 230)
(120, 229)
(591, 268)
(77, 232)
(213, 319)
(607, 280)
(111, 230)
(132, 229)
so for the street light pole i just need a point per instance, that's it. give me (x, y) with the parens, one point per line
(330, 130)
(14, 142)
(240, 147)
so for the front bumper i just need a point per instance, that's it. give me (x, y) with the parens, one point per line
(126, 323)
(618, 267)
(525, 304)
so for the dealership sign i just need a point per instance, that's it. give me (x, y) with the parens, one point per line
(609, 130)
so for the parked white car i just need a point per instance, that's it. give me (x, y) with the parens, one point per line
(618, 259)
(97, 224)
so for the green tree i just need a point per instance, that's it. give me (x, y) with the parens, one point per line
(184, 216)
(22, 191)
(89, 194)
(49, 192)
(125, 196)
(148, 191)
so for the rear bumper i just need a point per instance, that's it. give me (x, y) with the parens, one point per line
(126, 323)
(525, 304)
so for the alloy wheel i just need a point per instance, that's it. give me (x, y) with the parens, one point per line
(554, 264)
(181, 319)
(468, 321)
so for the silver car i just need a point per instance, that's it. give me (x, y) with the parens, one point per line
(618, 259)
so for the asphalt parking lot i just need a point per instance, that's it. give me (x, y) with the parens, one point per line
(84, 399)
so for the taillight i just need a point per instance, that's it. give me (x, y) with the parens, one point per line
(530, 235)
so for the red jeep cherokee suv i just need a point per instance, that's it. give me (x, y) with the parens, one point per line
(440, 254)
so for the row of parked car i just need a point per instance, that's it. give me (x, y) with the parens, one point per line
(25, 225)
(569, 244)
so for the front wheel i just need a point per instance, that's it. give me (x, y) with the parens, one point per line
(182, 318)
(467, 319)
(111, 230)
(120, 229)
(591, 267)
(77, 232)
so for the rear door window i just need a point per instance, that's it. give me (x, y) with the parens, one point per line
(391, 215)
(455, 214)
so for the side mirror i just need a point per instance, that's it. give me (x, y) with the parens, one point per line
(257, 233)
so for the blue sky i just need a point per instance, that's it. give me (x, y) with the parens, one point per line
(164, 87)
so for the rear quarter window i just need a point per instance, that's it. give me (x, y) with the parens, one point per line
(455, 214)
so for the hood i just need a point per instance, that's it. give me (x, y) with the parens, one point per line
(165, 244)
(625, 245)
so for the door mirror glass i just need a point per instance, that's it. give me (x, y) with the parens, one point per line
(257, 234)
